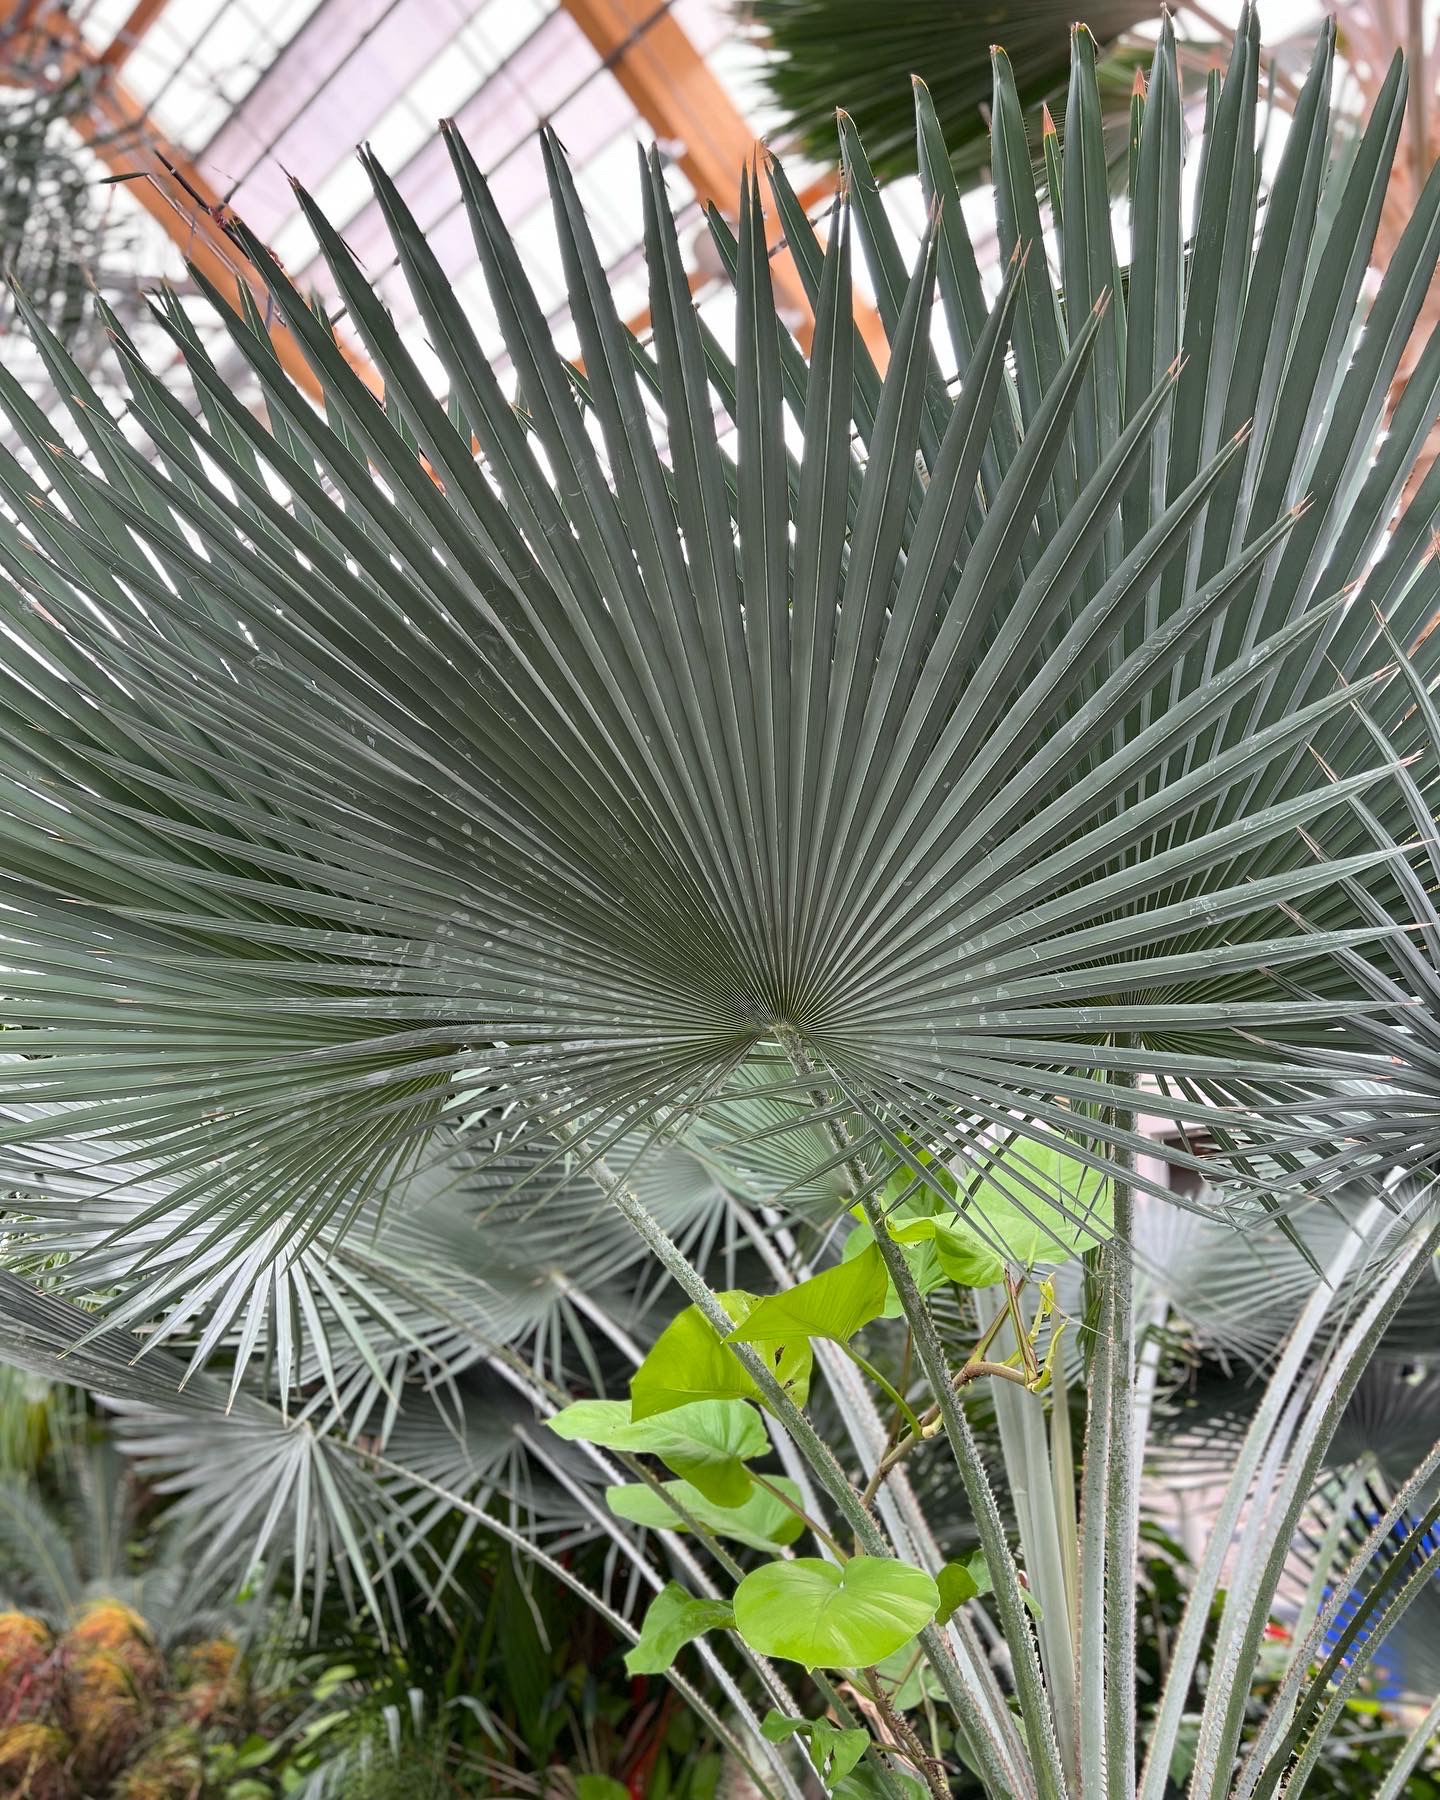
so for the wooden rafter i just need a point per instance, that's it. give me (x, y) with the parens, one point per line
(126, 40)
(685, 104)
(666, 78)
(174, 192)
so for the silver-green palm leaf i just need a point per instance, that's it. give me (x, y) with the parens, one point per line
(572, 745)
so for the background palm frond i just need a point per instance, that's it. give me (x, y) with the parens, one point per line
(824, 54)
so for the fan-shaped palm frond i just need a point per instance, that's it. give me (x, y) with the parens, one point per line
(1394, 1414)
(54, 228)
(1239, 1293)
(269, 1472)
(1401, 974)
(458, 1260)
(1221, 1304)
(269, 1490)
(577, 773)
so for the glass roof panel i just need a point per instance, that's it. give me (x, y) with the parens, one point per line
(255, 92)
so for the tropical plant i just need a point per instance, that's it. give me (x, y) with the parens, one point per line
(119, 1672)
(457, 848)
(820, 55)
(98, 1708)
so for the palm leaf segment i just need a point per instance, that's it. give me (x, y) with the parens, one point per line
(963, 735)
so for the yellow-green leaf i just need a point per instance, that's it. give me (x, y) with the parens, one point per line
(674, 1618)
(705, 1442)
(762, 1522)
(833, 1304)
(690, 1361)
(831, 1615)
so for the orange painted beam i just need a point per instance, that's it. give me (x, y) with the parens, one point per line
(679, 96)
(178, 196)
(686, 105)
(192, 219)
(120, 48)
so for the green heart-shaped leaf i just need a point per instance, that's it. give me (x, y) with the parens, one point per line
(762, 1522)
(673, 1619)
(833, 1752)
(705, 1443)
(690, 1361)
(961, 1255)
(1042, 1206)
(834, 1304)
(956, 1585)
(834, 1616)
(924, 1267)
(1034, 1204)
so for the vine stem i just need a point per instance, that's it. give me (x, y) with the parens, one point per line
(1014, 1620)
(979, 1740)
(930, 1420)
(908, 1741)
(777, 1492)
(617, 1623)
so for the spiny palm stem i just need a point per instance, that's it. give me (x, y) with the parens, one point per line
(980, 1740)
(1121, 1482)
(1030, 1686)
